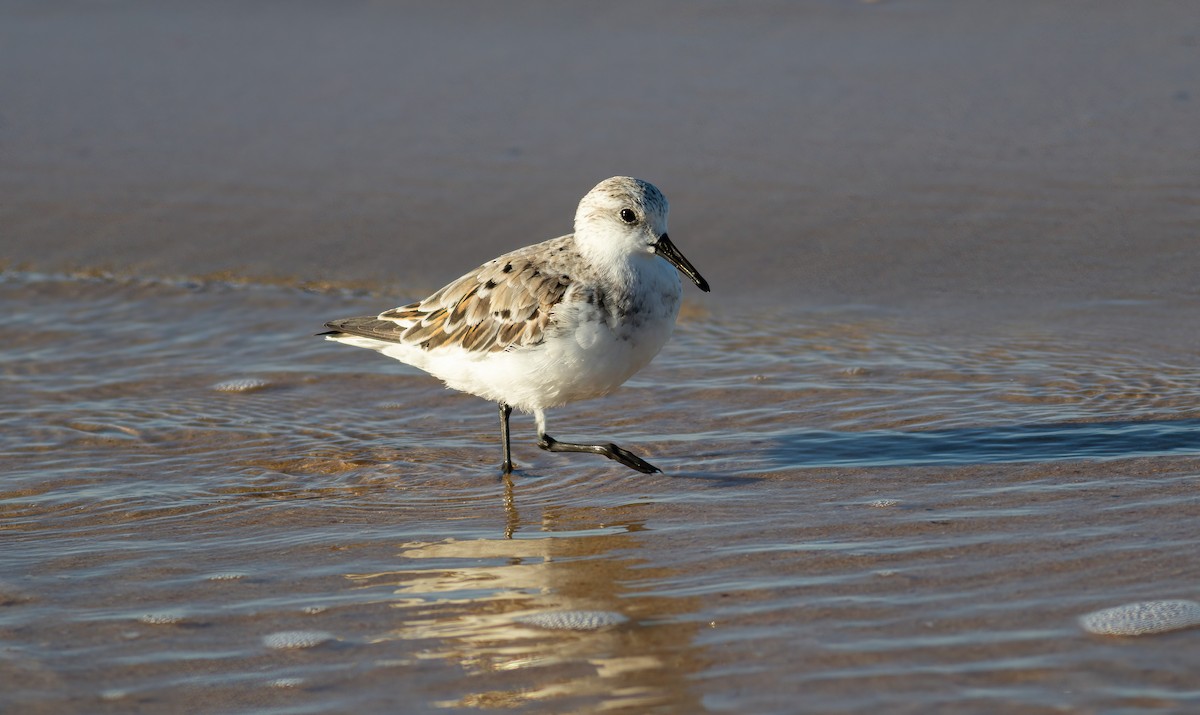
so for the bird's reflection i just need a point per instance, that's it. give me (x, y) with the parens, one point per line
(512, 518)
(478, 602)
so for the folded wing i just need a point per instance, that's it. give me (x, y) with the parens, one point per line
(503, 304)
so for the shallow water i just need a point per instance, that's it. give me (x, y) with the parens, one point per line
(205, 507)
(941, 403)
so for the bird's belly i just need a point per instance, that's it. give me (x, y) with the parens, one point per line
(590, 360)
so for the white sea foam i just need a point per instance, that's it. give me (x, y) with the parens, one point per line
(286, 640)
(241, 384)
(1145, 618)
(574, 620)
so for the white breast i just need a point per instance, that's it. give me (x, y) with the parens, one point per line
(592, 350)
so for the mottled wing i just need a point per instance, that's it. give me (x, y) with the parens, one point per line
(504, 303)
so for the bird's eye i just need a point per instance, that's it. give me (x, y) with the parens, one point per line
(628, 216)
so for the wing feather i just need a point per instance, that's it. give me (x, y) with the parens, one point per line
(505, 303)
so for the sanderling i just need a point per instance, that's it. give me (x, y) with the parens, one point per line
(564, 320)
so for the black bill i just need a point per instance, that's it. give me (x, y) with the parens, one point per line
(667, 250)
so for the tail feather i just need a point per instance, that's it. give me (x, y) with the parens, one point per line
(366, 327)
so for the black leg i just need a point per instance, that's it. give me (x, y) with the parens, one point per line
(505, 411)
(610, 450)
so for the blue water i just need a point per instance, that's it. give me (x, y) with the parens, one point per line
(1070, 441)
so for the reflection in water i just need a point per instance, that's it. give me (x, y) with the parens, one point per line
(512, 519)
(476, 603)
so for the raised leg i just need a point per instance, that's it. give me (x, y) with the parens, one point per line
(610, 450)
(505, 411)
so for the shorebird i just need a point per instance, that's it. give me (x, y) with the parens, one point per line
(564, 320)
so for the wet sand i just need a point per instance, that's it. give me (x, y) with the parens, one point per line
(916, 153)
(942, 401)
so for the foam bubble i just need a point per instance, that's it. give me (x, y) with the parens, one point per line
(884, 503)
(573, 620)
(226, 576)
(161, 618)
(1136, 619)
(286, 682)
(296, 639)
(242, 384)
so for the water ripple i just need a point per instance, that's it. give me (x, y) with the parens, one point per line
(189, 476)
